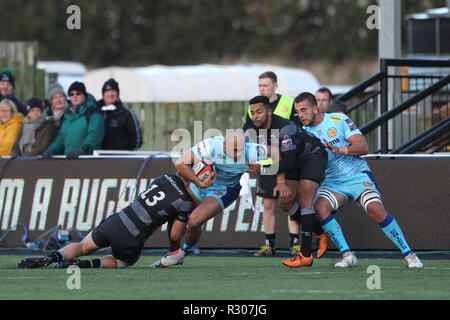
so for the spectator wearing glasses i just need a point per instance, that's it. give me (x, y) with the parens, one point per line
(83, 127)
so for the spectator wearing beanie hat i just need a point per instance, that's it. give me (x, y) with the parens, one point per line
(53, 115)
(7, 90)
(122, 130)
(58, 102)
(83, 127)
(26, 137)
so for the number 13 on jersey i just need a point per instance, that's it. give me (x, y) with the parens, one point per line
(157, 197)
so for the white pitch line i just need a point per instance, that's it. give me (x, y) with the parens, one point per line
(40, 277)
(322, 291)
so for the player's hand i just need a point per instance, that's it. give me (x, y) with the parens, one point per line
(254, 168)
(331, 147)
(208, 182)
(282, 189)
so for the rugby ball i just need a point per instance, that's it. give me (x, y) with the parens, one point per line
(203, 169)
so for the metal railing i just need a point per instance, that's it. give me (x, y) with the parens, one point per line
(399, 102)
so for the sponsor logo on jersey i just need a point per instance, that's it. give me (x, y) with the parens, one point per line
(334, 141)
(351, 124)
(336, 119)
(217, 192)
(286, 142)
(174, 184)
(368, 184)
(332, 132)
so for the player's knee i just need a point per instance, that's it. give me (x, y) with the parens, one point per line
(286, 205)
(322, 208)
(376, 212)
(195, 222)
(269, 204)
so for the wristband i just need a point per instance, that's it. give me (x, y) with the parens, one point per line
(343, 150)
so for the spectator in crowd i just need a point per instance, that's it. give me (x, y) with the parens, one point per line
(53, 115)
(83, 127)
(58, 104)
(326, 102)
(122, 131)
(7, 90)
(33, 120)
(11, 122)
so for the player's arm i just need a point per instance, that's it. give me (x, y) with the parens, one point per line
(357, 146)
(281, 187)
(184, 168)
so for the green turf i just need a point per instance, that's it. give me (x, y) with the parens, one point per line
(230, 278)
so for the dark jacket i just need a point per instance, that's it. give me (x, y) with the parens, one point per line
(122, 130)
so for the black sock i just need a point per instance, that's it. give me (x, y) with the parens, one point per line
(308, 225)
(94, 263)
(270, 240)
(294, 239)
(295, 213)
(56, 256)
(317, 228)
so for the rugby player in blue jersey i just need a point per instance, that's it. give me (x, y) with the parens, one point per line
(232, 156)
(348, 177)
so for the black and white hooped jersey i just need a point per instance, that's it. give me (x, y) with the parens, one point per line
(165, 199)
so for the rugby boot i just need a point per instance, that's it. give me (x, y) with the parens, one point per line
(172, 258)
(299, 261)
(413, 261)
(349, 260)
(322, 243)
(34, 262)
(265, 251)
(156, 264)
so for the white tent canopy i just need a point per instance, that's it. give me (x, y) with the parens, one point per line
(197, 83)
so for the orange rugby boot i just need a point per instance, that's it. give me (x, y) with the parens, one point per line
(299, 261)
(322, 240)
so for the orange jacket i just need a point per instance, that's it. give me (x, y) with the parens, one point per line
(8, 134)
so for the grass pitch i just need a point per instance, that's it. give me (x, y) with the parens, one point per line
(230, 278)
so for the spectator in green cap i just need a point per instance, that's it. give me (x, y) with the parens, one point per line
(7, 90)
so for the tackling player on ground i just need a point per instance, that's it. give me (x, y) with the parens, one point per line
(167, 199)
(348, 177)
